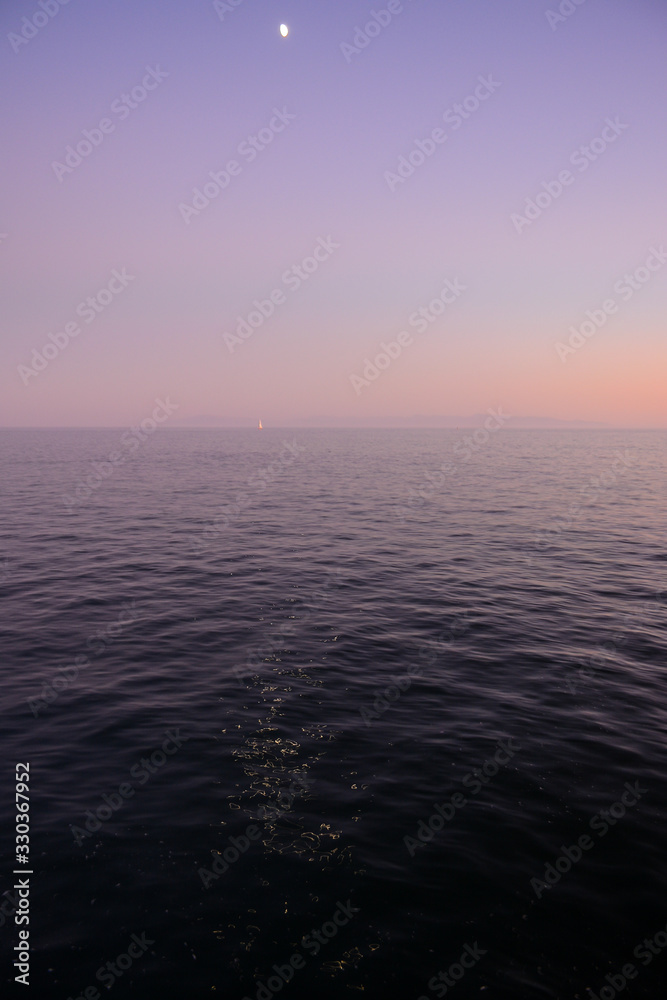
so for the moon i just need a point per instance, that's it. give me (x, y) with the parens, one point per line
(284, 30)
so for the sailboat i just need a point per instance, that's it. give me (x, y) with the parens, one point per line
(260, 426)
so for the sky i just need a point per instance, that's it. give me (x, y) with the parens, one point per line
(497, 166)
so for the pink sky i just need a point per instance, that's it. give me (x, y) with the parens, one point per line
(330, 129)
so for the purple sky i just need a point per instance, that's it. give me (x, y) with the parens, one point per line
(328, 179)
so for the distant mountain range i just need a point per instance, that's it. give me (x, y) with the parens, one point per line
(473, 420)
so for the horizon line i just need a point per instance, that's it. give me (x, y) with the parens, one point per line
(591, 426)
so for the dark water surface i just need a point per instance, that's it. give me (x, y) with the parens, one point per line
(493, 609)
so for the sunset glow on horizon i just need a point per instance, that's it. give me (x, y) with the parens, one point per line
(193, 208)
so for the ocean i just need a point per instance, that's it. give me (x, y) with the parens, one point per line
(336, 712)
